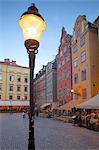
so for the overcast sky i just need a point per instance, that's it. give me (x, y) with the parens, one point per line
(56, 13)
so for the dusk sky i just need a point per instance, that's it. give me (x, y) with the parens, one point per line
(56, 13)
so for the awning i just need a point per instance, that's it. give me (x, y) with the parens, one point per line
(92, 103)
(14, 103)
(45, 105)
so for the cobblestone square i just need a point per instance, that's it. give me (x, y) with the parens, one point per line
(49, 134)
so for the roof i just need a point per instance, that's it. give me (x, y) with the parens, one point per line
(14, 103)
(92, 103)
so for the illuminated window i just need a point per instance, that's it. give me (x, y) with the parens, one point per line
(83, 56)
(76, 62)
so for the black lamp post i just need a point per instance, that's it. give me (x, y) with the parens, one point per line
(32, 25)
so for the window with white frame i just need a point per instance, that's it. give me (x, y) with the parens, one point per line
(10, 97)
(68, 73)
(11, 78)
(0, 76)
(76, 62)
(25, 79)
(83, 56)
(76, 78)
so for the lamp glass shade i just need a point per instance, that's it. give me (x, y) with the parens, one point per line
(32, 26)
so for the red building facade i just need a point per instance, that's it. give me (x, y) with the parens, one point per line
(64, 69)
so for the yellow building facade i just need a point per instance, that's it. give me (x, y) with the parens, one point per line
(85, 59)
(14, 81)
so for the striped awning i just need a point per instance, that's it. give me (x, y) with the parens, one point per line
(14, 102)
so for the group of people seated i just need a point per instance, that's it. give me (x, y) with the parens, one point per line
(88, 119)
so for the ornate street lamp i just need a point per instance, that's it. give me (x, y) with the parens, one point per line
(32, 25)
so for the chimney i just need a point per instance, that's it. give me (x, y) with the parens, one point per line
(7, 61)
(13, 62)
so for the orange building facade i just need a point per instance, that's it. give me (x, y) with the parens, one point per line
(85, 59)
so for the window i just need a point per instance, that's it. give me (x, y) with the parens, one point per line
(25, 88)
(19, 79)
(84, 93)
(83, 56)
(18, 88)
(11, 78)
(83, 74)
(68, 73)
(0, 96)
(78, 33)
(25, 97)
(74, 49)
(10, 87)
(0, 76)
(10, 97)
(60, 53)
(76, 78)
(67, 58)
(18, 97)
(65, 49)
(82, 42)
(62, 40)
(76, 62)
(0, 87)
(26, 79)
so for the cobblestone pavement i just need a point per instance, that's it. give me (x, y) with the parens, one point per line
(49, 134)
